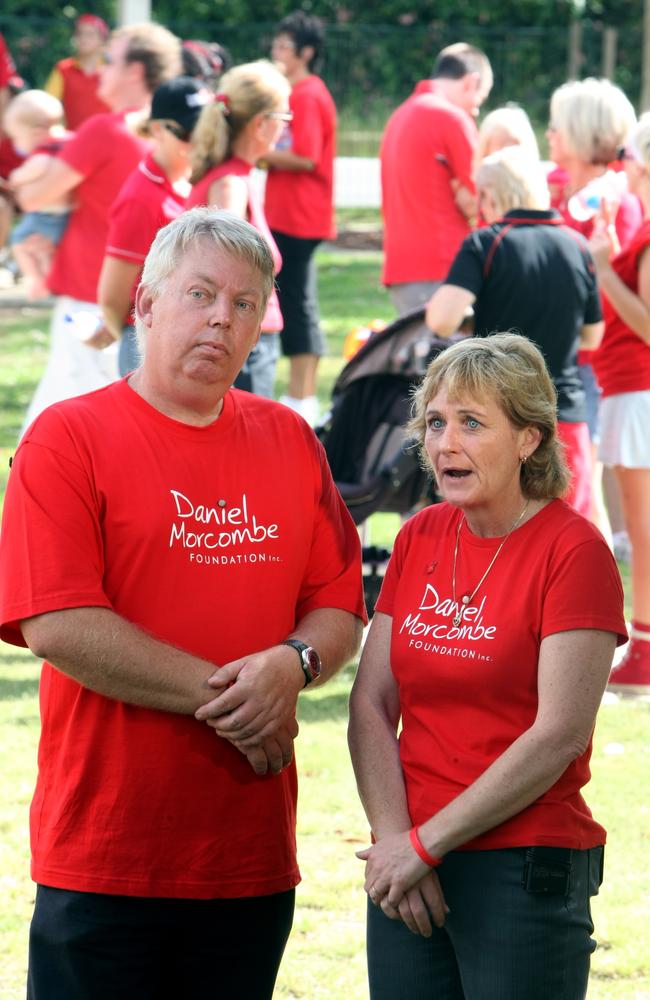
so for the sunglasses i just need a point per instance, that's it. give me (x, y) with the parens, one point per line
(177, 131)
(282, 116)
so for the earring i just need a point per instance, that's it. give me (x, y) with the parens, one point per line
(523, 459)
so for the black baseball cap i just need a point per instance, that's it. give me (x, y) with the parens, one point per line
(180, 100)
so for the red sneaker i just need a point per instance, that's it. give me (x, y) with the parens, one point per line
(632, 675)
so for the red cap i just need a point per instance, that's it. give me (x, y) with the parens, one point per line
(98, 23)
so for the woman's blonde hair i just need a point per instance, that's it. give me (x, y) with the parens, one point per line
(515, 178)
(506, 126)
(511, 370)
(245, 91)
(594, 117)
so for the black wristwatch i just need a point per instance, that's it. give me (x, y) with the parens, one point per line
(309, 659)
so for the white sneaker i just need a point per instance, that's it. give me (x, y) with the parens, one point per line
(307, 408)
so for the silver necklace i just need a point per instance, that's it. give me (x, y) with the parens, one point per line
(466, 598)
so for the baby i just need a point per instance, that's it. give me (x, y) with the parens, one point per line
(33, 123)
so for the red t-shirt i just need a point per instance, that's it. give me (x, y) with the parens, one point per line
(147, 201)
(141, 802)
(427, 144)
(272, 322)
(622, 362)
(468, 693)
(301, 202)
(77, 91)
(105, 152)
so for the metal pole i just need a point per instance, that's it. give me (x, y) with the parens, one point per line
(133, 11)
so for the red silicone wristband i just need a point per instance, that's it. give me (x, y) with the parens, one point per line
(421, 850)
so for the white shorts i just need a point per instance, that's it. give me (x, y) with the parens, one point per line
(625, 430)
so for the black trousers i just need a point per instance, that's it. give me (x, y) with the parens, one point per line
(298, 296)
(90, 946)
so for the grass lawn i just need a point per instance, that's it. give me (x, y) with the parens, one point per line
(325, 956)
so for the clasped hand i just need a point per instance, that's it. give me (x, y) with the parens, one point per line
(399, 882)
(254, 708)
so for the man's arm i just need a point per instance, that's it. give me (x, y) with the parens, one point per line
(108, 654)
(52, 185)
(264, 687)
(285, 159)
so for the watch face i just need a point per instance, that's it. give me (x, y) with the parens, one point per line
(312, 661)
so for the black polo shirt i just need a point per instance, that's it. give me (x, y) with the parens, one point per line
(532, 274)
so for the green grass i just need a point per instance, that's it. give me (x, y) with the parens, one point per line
(325, 955)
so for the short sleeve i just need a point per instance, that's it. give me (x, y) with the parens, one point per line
(467, 268)
(333, 574)
(584, 591)
(132, 227)
(51, 550)
(386, 600)
(593, 305)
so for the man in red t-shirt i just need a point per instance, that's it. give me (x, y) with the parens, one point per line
(299, 203)
(75, 80)
(428, 194)
(94, 165)
(182, 597)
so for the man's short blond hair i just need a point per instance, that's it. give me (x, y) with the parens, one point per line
(156, 48)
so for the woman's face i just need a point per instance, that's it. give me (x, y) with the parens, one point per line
(271, 124)
(557, 146)
(476, 452)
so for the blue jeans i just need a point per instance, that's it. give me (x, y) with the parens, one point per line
(499, 942)
(258, 374)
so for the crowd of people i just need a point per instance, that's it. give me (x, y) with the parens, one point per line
(185, 584)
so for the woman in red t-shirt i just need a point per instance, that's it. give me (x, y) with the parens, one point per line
(622, 365)
(492, 643)
(232, 135)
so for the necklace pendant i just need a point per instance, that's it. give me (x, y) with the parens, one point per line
(456, 620)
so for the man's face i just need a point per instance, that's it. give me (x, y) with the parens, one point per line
(114, 72)
(472, 93)
(203, 323)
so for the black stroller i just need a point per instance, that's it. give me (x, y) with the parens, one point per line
(374, 465)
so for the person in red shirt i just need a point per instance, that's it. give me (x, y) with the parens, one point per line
(492, 641)
(75, 80)
(153, 195)
(232, 134)
(589, 119)
(182, 594)
(428, 194)
(622, 366)
(94, 165)
(299, 201)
